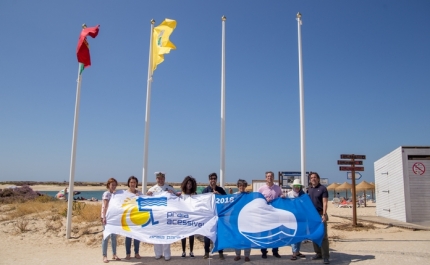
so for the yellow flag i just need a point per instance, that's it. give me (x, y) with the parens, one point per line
(160, 41)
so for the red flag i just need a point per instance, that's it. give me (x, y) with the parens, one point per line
(83, 49)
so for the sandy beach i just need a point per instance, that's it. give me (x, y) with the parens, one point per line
(45, 243)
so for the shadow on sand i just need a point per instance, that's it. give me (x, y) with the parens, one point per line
(335, 258)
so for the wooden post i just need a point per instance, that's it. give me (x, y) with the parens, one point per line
(354, 196)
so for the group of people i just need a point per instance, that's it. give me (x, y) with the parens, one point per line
(317, 193)
(189, 187)
(319, 197)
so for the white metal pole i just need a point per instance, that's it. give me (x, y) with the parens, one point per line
(73, 156)
(302, 104)
(147, 115)
(222, 162)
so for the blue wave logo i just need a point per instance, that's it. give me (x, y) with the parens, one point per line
(150, 202)
(272, 229)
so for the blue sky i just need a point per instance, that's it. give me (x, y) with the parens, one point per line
(366, 82)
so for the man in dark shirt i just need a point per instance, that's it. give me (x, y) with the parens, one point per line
(216, 190)
(319, 197)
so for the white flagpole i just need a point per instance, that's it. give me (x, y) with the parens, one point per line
(147, 115)
(222, 170)
(73, 156)
(302, 103)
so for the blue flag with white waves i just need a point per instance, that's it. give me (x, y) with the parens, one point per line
(246, 220)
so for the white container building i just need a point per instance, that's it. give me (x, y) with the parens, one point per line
(402, 185)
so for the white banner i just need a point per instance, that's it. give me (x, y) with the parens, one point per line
(163, 218)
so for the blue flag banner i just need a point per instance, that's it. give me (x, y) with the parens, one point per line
(246, 220)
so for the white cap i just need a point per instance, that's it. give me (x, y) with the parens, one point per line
(159, 172)
(297, 182)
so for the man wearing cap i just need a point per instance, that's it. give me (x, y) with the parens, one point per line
(270, 191)
(319, 197)
(161, 186)
(296, 192)
(215, 190)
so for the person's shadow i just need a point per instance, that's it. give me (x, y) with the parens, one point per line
(335, 257)
(343, 258)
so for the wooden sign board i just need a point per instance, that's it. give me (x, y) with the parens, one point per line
(351, 168)
(352, 156)
(349, 162)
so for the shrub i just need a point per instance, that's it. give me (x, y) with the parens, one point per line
(6, 193)
(44, 198)
(21, 225)
(77, 208)
(20, 194)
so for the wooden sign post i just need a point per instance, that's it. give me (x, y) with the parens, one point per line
(352, 162)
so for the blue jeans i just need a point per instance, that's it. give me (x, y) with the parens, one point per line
(136, 244)
(105, 244)
(296, 247)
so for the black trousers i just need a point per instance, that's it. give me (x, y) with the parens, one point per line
(207, 245)
(274, 250)
(184, 242)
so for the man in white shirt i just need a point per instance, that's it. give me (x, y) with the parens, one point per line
(161, 249)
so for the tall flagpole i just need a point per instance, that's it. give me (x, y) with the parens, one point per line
(73, 155)
(147, 115)
(222, 163)
(302, 104)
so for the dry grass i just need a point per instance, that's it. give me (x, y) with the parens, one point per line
(91, 213)
(49, 218)
(31, 207)
(52, 210)
(55, 217)
(53, 226)
(22, 225)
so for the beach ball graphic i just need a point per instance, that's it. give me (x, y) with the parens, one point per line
(131, 210)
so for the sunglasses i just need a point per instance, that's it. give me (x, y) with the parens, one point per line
(213, 178)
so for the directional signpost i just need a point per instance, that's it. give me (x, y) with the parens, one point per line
(357, 175)
(351, 165)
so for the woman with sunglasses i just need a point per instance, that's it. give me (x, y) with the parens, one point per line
(241, 185)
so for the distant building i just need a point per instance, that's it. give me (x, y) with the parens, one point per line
(402, 185)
